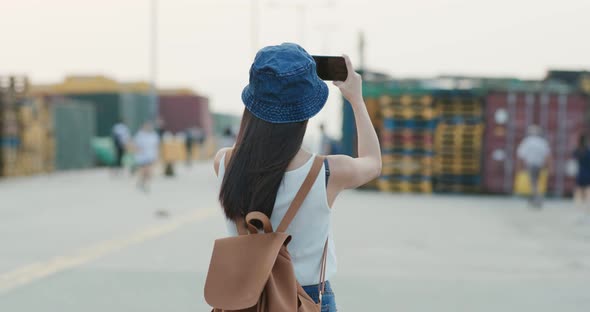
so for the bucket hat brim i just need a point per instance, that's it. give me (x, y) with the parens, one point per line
(300, 110)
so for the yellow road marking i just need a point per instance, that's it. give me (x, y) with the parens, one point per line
(34, 271)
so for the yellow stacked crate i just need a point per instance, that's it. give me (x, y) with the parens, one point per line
(458, 142)
(35, 154)
(406, 136)
(173, 149)
(12, 90)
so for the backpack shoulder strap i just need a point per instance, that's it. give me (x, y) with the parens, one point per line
(323, 263)
(301, 194)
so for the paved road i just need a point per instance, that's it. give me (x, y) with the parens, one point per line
(87, 241)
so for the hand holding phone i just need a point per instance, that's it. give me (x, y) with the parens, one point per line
(352, 86)
(331, 67)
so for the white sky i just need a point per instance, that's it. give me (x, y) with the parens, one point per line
(206, 44)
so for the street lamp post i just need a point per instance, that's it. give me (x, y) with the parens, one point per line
(301, 22)
(154, 55)
(254, 26)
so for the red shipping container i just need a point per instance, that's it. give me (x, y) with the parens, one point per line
(562, 117)
(180, 112)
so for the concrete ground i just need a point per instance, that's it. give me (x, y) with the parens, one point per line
(88, 241)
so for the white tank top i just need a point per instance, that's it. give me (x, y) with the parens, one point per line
(309, 228)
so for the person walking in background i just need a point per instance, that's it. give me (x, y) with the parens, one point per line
(582, 192)
(146, 143)
(200, 137)
(189, 140)
(121, 136)
(534, 154)
(159, 127)
(227, 138)
(265, 170)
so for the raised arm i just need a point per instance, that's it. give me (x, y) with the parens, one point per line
(348, 172)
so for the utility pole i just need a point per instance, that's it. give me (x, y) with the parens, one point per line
(254, 26)
(154, 55)
(301, 23)
(361, 51)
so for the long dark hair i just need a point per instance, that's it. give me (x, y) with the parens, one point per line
(259, 160)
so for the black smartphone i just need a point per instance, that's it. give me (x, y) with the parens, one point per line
(331, 67)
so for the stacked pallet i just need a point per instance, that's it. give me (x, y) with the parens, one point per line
(37, 149)
(26, 133)
(458, 157)
(407, 143)
(11, 90)
(459, 108)
(458, 142)
(173, 148)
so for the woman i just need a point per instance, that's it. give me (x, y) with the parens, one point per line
(582, 192)
(267, 164)
(121, 137)
(146, 143)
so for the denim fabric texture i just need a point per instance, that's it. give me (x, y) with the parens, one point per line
(284, 86)
(328, 300)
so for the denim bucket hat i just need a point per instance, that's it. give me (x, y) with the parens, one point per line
(284, 86)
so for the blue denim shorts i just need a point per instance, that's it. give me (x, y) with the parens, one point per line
(328, 300)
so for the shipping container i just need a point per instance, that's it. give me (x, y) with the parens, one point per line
(132, 108)
(106, 108)
(180, 112)
(137, 108)
(90, 85)
(223, 121)
(575, 78)
(133, 103)
(348, 142)
(508, 115)
(74, 128)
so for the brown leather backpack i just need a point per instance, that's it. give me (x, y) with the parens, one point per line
(254, 272)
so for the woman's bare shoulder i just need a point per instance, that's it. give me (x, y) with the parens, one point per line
(218, 157)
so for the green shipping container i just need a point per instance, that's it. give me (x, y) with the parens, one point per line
(137, 108)
(133, 108)
(74, 128)
(222, 121)
(106, 106)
